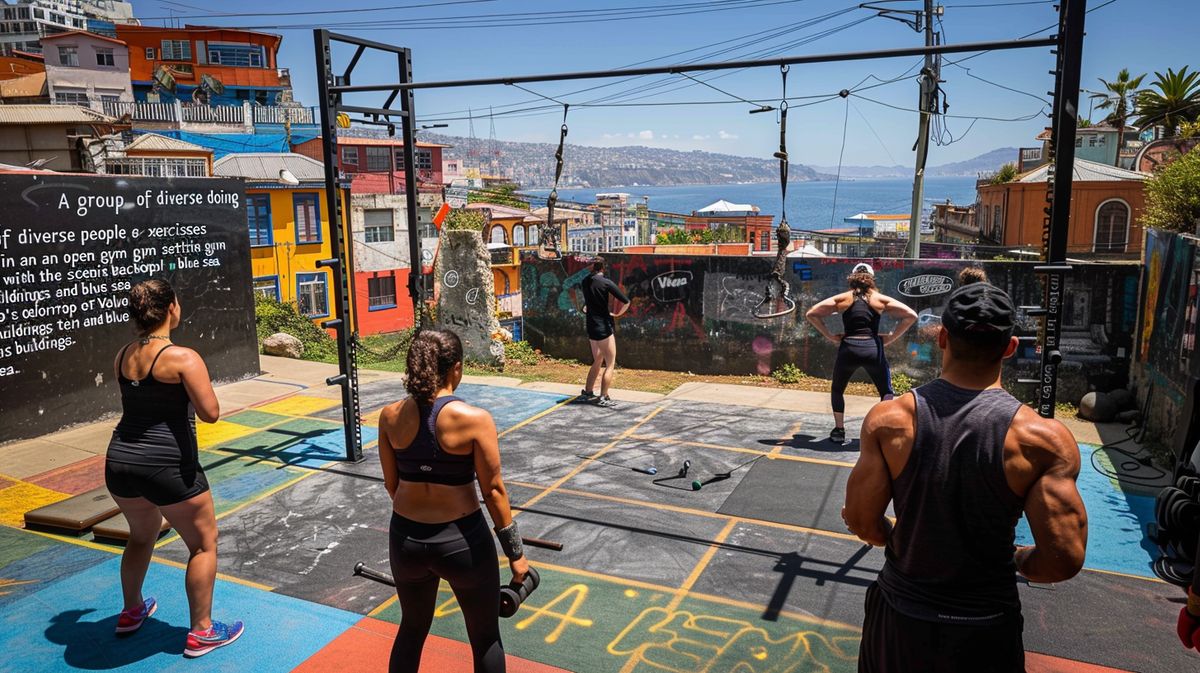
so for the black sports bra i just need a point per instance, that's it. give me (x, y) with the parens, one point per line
(425, 461)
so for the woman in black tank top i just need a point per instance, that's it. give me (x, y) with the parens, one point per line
(433, 448)
(152, 468)
(860, 345)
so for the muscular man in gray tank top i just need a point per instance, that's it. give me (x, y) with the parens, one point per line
(961, 459)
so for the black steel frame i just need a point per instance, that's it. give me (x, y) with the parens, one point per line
(1068, 44)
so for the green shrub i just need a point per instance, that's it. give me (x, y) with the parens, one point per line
(521, 351)
(1007, 173)
(902, 383)
(272, 316)
(390, 347)
(788, 373)
(466, 219)
(1173, 196)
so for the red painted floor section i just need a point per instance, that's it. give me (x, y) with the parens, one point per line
(365, 647)
(1044, 663)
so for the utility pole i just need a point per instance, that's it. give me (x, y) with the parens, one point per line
(919, 20)
(928, 106)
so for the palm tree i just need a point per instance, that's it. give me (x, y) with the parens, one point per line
(1119, 97)
(1177, 100)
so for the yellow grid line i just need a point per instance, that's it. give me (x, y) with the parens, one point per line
(738, 449)
(538, 415)
(694, 576)
(584, 464)
(791, 432)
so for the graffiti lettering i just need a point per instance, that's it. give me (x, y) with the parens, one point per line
(671, 286)
(925, 285)
(577, 594)
(682, 642)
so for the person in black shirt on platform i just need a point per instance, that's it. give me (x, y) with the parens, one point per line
(596, 291)
(962, 459)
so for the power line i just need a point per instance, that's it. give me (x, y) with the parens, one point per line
(950, 116)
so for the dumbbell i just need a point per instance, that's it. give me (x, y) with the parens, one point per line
(514, 594)
(1190, 485)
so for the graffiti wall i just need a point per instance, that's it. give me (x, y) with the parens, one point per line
(70, 248)
(697, 314)
(1167, 364)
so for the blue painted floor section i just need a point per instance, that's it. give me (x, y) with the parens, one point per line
(1116, 523)
(68, 626)
(508, 406)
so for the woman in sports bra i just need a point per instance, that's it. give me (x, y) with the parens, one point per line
(860, 345)
(434, 448)
(152, 468)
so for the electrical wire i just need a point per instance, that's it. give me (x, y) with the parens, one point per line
(950, 116)
(872, 129)
(837, 182)
(364, 10)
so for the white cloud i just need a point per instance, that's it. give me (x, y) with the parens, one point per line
(646, 135)
(628, 135)
(726, 136)
(697, 136)
(609, 136)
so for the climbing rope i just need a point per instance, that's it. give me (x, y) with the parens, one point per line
(777, 300)
(549, 247)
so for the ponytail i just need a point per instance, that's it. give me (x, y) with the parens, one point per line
(150, 304)
(431, 356)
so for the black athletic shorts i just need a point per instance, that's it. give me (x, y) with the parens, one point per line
(160, 485)
(896, 643)
(599, 327)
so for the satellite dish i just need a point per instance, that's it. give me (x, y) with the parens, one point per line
(287, 178)
(163, 78)
(212, 84)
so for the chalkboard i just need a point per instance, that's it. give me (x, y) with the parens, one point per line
(71, 246)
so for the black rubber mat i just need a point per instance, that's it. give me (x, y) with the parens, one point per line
(791, 492)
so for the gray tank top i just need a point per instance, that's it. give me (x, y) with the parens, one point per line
(950, 557)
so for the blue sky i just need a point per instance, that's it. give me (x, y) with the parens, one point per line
(1125, 33)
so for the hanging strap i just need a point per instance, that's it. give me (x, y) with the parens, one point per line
(552, 199)
(782, 154)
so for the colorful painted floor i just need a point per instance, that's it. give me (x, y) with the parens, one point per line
(753, 573)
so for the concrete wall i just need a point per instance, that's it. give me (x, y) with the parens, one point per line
(65, 269)
(701, 319)
(466, 301)
(20, 145)
(1167, 367)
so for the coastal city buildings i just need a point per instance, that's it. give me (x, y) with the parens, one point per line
(24, 23)
(83, 67)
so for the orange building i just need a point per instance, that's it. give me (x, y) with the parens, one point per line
(376, 165)
(242, 63)
(507, 235)
(20, 64)
(1106, 206)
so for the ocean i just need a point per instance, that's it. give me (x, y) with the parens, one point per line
(810, 205)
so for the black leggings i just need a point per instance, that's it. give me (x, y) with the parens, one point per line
(865, 353)
(462, 553)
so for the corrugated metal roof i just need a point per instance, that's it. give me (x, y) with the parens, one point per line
(265, 166)
(1087, 171)
(51, 114)
(152, 142)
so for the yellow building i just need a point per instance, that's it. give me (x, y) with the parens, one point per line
(288, 219)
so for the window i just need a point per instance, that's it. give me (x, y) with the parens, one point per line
(109, 98)
(534, 234)
(312, 294)
(176, 50)
(764, 241)
(1091, 141)
(308, 218)
(424, 159)
(104, 56)
(267, 286)
(149, 53)
(379, 159)
(425, 227)
(237, 55)
(378, 226)
(258, 218)
(350, 156)
(381, 293)
(1112, 226)
(1078, 141)
(997, 224)
(519, 235)
(71, 97)
(68, 57)
(498, 235)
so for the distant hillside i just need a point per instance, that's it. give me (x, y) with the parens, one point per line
(984, 163)
(532, 164)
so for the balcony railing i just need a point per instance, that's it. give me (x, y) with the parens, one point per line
(190, 113)
(503, 256)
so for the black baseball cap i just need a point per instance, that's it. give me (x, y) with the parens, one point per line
(979, 309)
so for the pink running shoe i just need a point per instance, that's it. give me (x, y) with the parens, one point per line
(200, 643)
(131, 620)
